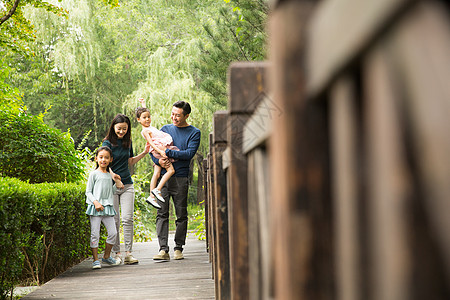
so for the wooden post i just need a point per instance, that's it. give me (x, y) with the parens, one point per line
(211, 206)
(200, 185)
(220, 204)
(205, 197)
(301, 200)
(247, 88)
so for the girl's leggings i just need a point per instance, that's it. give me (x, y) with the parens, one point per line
(108, 221)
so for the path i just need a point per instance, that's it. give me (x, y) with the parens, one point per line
(183, 279)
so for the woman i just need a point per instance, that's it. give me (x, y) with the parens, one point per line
(118, 140)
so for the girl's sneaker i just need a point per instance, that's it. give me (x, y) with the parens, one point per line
(153, 202)
(118, 258)
(111, 261)
(96, 265)
(157, 194)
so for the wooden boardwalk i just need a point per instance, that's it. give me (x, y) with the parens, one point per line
(190, 278)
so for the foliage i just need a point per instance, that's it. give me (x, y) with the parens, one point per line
(8, 95)
(236, 34)
(198, 220)
(100, 58)
(16, 31)
(43, 230)
(31, 150)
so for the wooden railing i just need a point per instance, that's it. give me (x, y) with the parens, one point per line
(328, 175)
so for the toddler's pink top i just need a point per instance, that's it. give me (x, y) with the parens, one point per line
(159, 138)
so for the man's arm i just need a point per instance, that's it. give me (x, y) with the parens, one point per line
(190, 151)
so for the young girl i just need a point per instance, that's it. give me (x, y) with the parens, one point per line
(99, 197)
(158, 141)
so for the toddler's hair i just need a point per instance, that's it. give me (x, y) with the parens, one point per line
(101, 149)
(140, 111)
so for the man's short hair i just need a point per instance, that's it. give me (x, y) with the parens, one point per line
(184, 106)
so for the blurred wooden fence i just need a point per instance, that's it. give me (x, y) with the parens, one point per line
(328, 176)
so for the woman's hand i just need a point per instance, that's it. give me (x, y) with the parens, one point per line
(147, 148)
(119, 184)
(98, 206)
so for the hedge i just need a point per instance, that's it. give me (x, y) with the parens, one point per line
(43, 230)
(33, 151)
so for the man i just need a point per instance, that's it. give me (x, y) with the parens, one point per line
(187, 138)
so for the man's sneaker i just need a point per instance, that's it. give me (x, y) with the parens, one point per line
(157, 194)
(118, 258)
(96, 265)
(111, 261)
(130, 260)
(162, 255)
(153, 202)
(177, 254)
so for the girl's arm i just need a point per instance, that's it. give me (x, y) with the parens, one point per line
(148, 138)
(89, 190)
(90, 199)
(142, 102)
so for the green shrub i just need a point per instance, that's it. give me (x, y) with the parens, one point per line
(43, 229)
(15, 220)
(32, 151)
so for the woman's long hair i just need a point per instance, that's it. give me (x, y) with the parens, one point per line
(112, 136)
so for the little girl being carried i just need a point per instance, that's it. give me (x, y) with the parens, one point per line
(99, 197)
(159, 142)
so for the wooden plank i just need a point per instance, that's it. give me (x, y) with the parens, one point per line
(259, 127)
(221, 211)
(389, 187)
(200, 183)
(246, 85)
(205, 197)
(340, 31)
(226, 159)
(422, 47)
(220, 126)
(212, 236)
(254, 236)
(177, 279)
(344, 124)
(261, 260)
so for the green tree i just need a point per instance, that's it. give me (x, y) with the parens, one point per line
(16, 31)
(236, 34)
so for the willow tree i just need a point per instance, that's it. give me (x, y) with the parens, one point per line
(65, 74)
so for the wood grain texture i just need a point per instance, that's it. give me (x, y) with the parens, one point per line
(340, 30)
